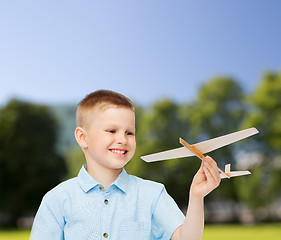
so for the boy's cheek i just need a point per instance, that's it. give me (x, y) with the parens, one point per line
(134, 148)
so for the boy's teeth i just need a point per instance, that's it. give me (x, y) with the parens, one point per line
(118, 151)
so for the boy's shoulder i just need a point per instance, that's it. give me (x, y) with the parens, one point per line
(145, 192)
(146, 182)
(146, 185)
(65, 185)
(63, 188)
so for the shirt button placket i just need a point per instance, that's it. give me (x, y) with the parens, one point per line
(105, 235)
(106, 215)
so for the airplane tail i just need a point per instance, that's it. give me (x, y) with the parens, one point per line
(227, 168)
(233, 173)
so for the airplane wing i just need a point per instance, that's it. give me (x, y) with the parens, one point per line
(169, 154)
(204, 147)
(235, 174)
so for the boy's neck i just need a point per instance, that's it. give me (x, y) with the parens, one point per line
(103, 176)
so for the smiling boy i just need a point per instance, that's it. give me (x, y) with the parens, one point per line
(103, 201)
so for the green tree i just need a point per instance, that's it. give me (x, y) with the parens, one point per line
(29, 163)
(218, 110)
(265, 183)
(75, 158)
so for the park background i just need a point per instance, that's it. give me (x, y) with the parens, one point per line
(194, 69)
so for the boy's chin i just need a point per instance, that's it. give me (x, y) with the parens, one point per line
(117, 165)
(121, 166)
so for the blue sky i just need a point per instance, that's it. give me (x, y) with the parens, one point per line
(57, 51)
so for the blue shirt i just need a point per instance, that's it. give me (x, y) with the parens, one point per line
(131, 208)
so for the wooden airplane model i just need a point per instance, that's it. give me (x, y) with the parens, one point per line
(199, 149)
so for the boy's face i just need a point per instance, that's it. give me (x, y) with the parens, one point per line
(110, 137)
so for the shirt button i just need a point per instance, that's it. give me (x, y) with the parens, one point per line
(106, 201)
(105, 235)
(101, 187)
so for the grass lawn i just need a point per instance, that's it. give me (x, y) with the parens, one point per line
(212, 232)
(14, 234)
(234, 232)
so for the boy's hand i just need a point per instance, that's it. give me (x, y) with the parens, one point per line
(206, 179)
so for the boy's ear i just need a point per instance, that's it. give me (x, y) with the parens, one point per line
(81, 137)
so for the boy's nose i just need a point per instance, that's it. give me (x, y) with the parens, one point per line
(121, 139)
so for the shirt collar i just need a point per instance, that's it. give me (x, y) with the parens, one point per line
(87, 182)
(122, 181)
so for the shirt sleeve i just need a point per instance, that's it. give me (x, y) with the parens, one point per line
(48, 222)
(167, 216)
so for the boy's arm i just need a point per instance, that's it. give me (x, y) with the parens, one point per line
(206, 179)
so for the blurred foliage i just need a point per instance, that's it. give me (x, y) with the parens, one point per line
(29, 163)
(74, 160)
(218, 110)
(65, 115)
(265, 182)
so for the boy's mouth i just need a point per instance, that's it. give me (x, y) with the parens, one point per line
(118, 151)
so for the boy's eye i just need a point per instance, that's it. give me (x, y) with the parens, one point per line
(111, 131)
(129, 133)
